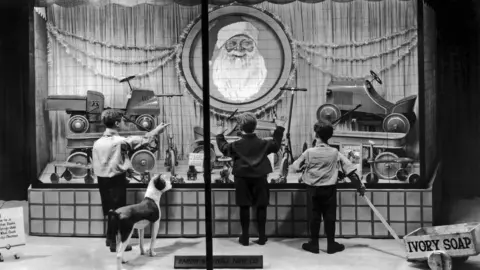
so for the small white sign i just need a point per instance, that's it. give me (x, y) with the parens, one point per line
(354, 153)
(196, 159)
(12, 232)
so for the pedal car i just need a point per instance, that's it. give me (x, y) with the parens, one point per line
(142, 107)
(345, 95)
(78, 163)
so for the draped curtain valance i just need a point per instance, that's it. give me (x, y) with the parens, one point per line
(130, 3)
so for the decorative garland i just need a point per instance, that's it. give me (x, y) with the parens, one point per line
(61, 40)
(355, 44)
(364, 58)
(393, 64)
(110, 45)
(117, 78)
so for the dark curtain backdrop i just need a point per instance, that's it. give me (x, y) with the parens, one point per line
(459, 117)
(17, 116)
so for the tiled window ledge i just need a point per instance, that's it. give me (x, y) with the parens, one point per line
(77, 212)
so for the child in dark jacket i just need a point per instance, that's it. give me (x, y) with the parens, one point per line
(251, 167)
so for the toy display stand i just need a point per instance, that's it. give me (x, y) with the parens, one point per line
(15, 255)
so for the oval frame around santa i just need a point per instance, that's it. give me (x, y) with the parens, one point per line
(273, 93)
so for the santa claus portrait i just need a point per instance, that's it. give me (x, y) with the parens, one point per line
(243, 62)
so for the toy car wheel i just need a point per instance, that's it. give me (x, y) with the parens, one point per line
(439, 259)
(402, 174)
(167, 161)
(172, 162)
(67, 175)
(175, 151)
(371, 178)
(80, 158)
(78, 124)
(199, 149)
(54, 178)
(146, 121)
(142, 161)
(396, 123)
(328, 113)
(413, 178)
(284, 166)
(385, 166)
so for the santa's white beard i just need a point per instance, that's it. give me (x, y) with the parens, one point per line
(238, 79)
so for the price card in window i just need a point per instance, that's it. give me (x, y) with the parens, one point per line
(354, 153)
(196, 159)
(12, 232)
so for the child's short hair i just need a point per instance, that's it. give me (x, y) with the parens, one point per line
(110, 116)
(247, 122)
(323, 130)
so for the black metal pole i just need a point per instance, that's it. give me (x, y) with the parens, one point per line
(206, 138)
(288, 130)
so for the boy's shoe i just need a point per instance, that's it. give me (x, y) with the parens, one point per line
(261, 241)
(113, 247)
(335, 247)
(244, 241)
(107, 242)
(311, 247)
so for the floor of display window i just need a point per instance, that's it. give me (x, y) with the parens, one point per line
(181, 170)
(91, 253)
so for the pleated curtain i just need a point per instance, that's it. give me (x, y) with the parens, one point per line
(74, 70)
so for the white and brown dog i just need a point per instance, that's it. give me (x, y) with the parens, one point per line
(125, 219)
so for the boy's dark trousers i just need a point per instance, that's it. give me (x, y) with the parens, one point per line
(113, 194)
(252, 192)
(322, 201)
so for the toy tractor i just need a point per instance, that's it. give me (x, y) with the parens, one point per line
(142, 107)
(345, 95)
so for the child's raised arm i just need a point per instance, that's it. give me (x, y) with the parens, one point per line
(275, 144)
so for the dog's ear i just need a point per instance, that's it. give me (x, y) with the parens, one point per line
(159, 183)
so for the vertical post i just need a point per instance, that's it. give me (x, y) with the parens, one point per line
(288, 130)
(206, 136)
(421, 97)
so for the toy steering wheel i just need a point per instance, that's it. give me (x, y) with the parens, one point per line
(375, 77)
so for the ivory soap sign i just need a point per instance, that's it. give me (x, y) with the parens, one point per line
(454, 244)
(12, 232)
